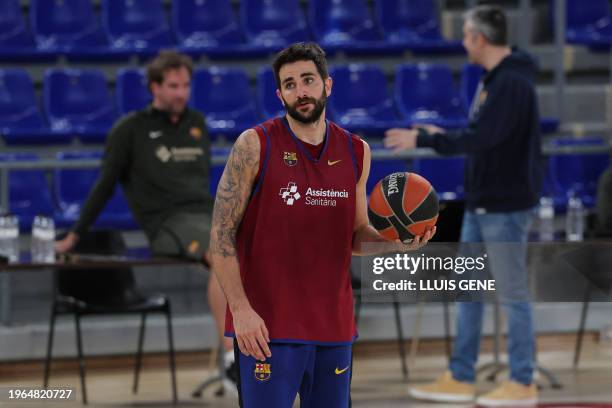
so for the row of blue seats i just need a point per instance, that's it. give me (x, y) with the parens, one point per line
(78, 102)
(140, 27)
(589, 23)
(565, 173)
(30, 193)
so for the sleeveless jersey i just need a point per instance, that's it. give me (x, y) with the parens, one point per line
(295, 240)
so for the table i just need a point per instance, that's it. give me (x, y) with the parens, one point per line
(130, 258)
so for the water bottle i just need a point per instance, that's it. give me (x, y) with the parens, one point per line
(546, 219)
(43, 240)
(574, 221)
(13, 233)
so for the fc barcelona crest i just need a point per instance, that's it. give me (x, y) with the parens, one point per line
(290, 158)
(262, 372)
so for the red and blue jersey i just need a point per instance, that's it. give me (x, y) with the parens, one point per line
(295, 239)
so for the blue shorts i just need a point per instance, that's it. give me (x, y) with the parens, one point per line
(321, 375)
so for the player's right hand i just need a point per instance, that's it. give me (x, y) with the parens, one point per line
(66, 244)
(251, 334)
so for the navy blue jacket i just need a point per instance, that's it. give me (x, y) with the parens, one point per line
(502, 141)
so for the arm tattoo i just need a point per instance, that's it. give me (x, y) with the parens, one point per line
(233, 194)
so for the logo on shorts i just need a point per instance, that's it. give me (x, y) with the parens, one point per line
(338, 371)
(262, 372)
(290, 158)
(290, 193)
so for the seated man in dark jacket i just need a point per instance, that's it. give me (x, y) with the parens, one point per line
(161, 157)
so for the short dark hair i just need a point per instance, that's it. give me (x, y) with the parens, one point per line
(165, 61)
(302, 51)
(490, 21)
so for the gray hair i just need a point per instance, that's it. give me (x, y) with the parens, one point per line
(490, 21)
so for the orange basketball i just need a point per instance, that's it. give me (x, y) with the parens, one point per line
(403, 205)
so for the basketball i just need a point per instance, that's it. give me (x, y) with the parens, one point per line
(403, 205)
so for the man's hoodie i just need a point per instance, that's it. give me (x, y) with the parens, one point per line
(502, 142)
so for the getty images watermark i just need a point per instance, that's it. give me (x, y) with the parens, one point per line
(412, 264)
(442, 272)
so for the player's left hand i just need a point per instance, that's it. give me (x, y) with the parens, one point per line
(418, 242)
(400, 139)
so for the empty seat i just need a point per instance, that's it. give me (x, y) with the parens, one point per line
(21, 121)
(77, 102)
(577, 172)
(588, 22)
(131, 92)
(425, 93)
(360, 100)
(413, 24)
(15, 39)
(225, 98)
(273, 24)
(136, 26)
(29, 193)
(446, 175)
(346, 25)
(67, 27)
(71, 188)
(216, 170)
(380, 168)
(208, 26)
(269, 104)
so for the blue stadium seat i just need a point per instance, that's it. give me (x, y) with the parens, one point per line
(470, 77)
(446, 175)
(414, 25)
(425, 93)
(273, 24)
(588, 23)
(225, 98)
(360, 100)
(131, 91)
(136, 26)
(71, 188)
(348, 26)
(216, 170)
(269, 104)
(78, 103)
(15, 41)
(578, 172)
(67, 27)
(29, 193)
(21, 121)
(210, 27)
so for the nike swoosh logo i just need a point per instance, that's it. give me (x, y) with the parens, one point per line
(331, 163)
(155, 134)
(338, 372)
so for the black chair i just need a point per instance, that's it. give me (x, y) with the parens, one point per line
(356, 283)
(593, 260)
(448, 230)
(108, 291)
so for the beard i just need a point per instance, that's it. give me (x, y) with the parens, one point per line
(311, 117)
(173, 107)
